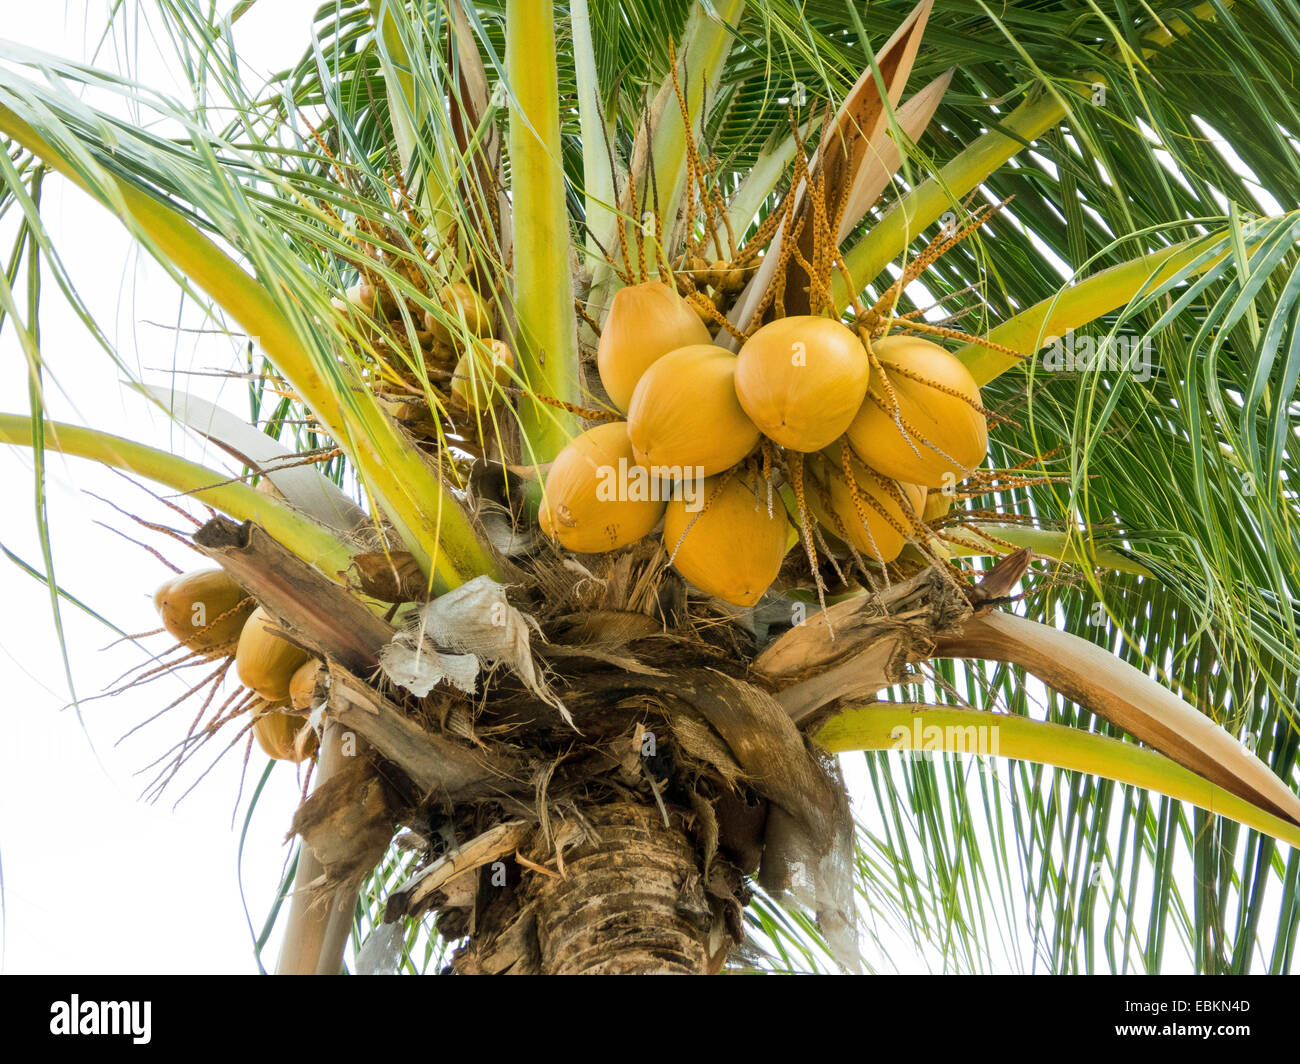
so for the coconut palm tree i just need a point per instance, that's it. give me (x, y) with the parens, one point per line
(535, 758)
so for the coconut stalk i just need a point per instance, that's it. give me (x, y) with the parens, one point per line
(577, 923)
(581, 925)
(317, 931)
(313, 544)
(1068, 547)
(889, 726)
(547, 338)
(1113, 689)
(1089, 300)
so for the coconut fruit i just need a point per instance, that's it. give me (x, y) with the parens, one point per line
(481, 373)
(596, 497)
(371, 300)
(302, 684)
(360, 297)
(878, 538)
(733, 547)
(459, 300)
(802, 379)
(947, 436)
(727, 278)
(283, 737)
(937, 505)
(645, 322)
(684, 413)
(203, 610)
(265, 660)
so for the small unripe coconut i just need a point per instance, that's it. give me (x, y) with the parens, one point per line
(265, 660)
(361, 296)
(302, 685)
(481, 373)
(596, 497)
(459, 300)
(726, 277)
(707, 277)
(685, 415)
(890, 507)
(802, 379)
(733, 547)
(947, 435)
(203, 610)
(644, 323)
(283, 737)
(695, 268)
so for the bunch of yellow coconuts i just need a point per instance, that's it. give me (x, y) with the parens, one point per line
(211, 615)
(696, 410)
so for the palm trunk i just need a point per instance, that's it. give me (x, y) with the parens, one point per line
(632, 903)
(629, 901)
(317, 934)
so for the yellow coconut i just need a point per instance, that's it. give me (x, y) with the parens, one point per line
(596, 497)
(644, 323)
(302, 685)
(947, 435)
(481, 373)
(204, 610)
(733, 547)
(459, 301)
(937, 504)
(684, 414)
(283, 737)
(265, 661)
(727, 278)
(839, 521)
(801, 379)
(881, 537)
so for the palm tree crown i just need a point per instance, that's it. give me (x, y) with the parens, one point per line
(428, 226)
